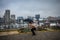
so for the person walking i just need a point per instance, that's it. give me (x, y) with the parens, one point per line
(32, 28)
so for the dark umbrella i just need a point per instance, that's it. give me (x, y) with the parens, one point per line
(28, 20)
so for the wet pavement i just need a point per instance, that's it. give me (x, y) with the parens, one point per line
(55, 35)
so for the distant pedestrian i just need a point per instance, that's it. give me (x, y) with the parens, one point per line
(32, 28)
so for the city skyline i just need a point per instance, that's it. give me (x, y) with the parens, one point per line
(31, 7)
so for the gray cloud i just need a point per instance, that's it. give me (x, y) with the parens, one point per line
(31, 7)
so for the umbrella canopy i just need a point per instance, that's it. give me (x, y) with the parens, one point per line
(28, 20)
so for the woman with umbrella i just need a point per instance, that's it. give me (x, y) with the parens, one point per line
(31, 26)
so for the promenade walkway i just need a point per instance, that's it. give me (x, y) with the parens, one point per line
(40, 35)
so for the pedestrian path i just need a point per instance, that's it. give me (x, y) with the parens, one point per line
(17, 32)
(28, 36)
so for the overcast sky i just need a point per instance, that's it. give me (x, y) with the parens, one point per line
(31, 7)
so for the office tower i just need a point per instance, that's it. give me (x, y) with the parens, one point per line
(19, 19)
(7, 17)
(1, 21)
(37, 16)
(13, 19)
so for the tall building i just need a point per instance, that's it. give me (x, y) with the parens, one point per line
(13, 18)
(7, 17)
(19, 19)
(37, 16)
(1, 21)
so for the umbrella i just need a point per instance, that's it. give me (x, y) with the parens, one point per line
(28, 20)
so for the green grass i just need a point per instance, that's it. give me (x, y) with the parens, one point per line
(22, 30)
